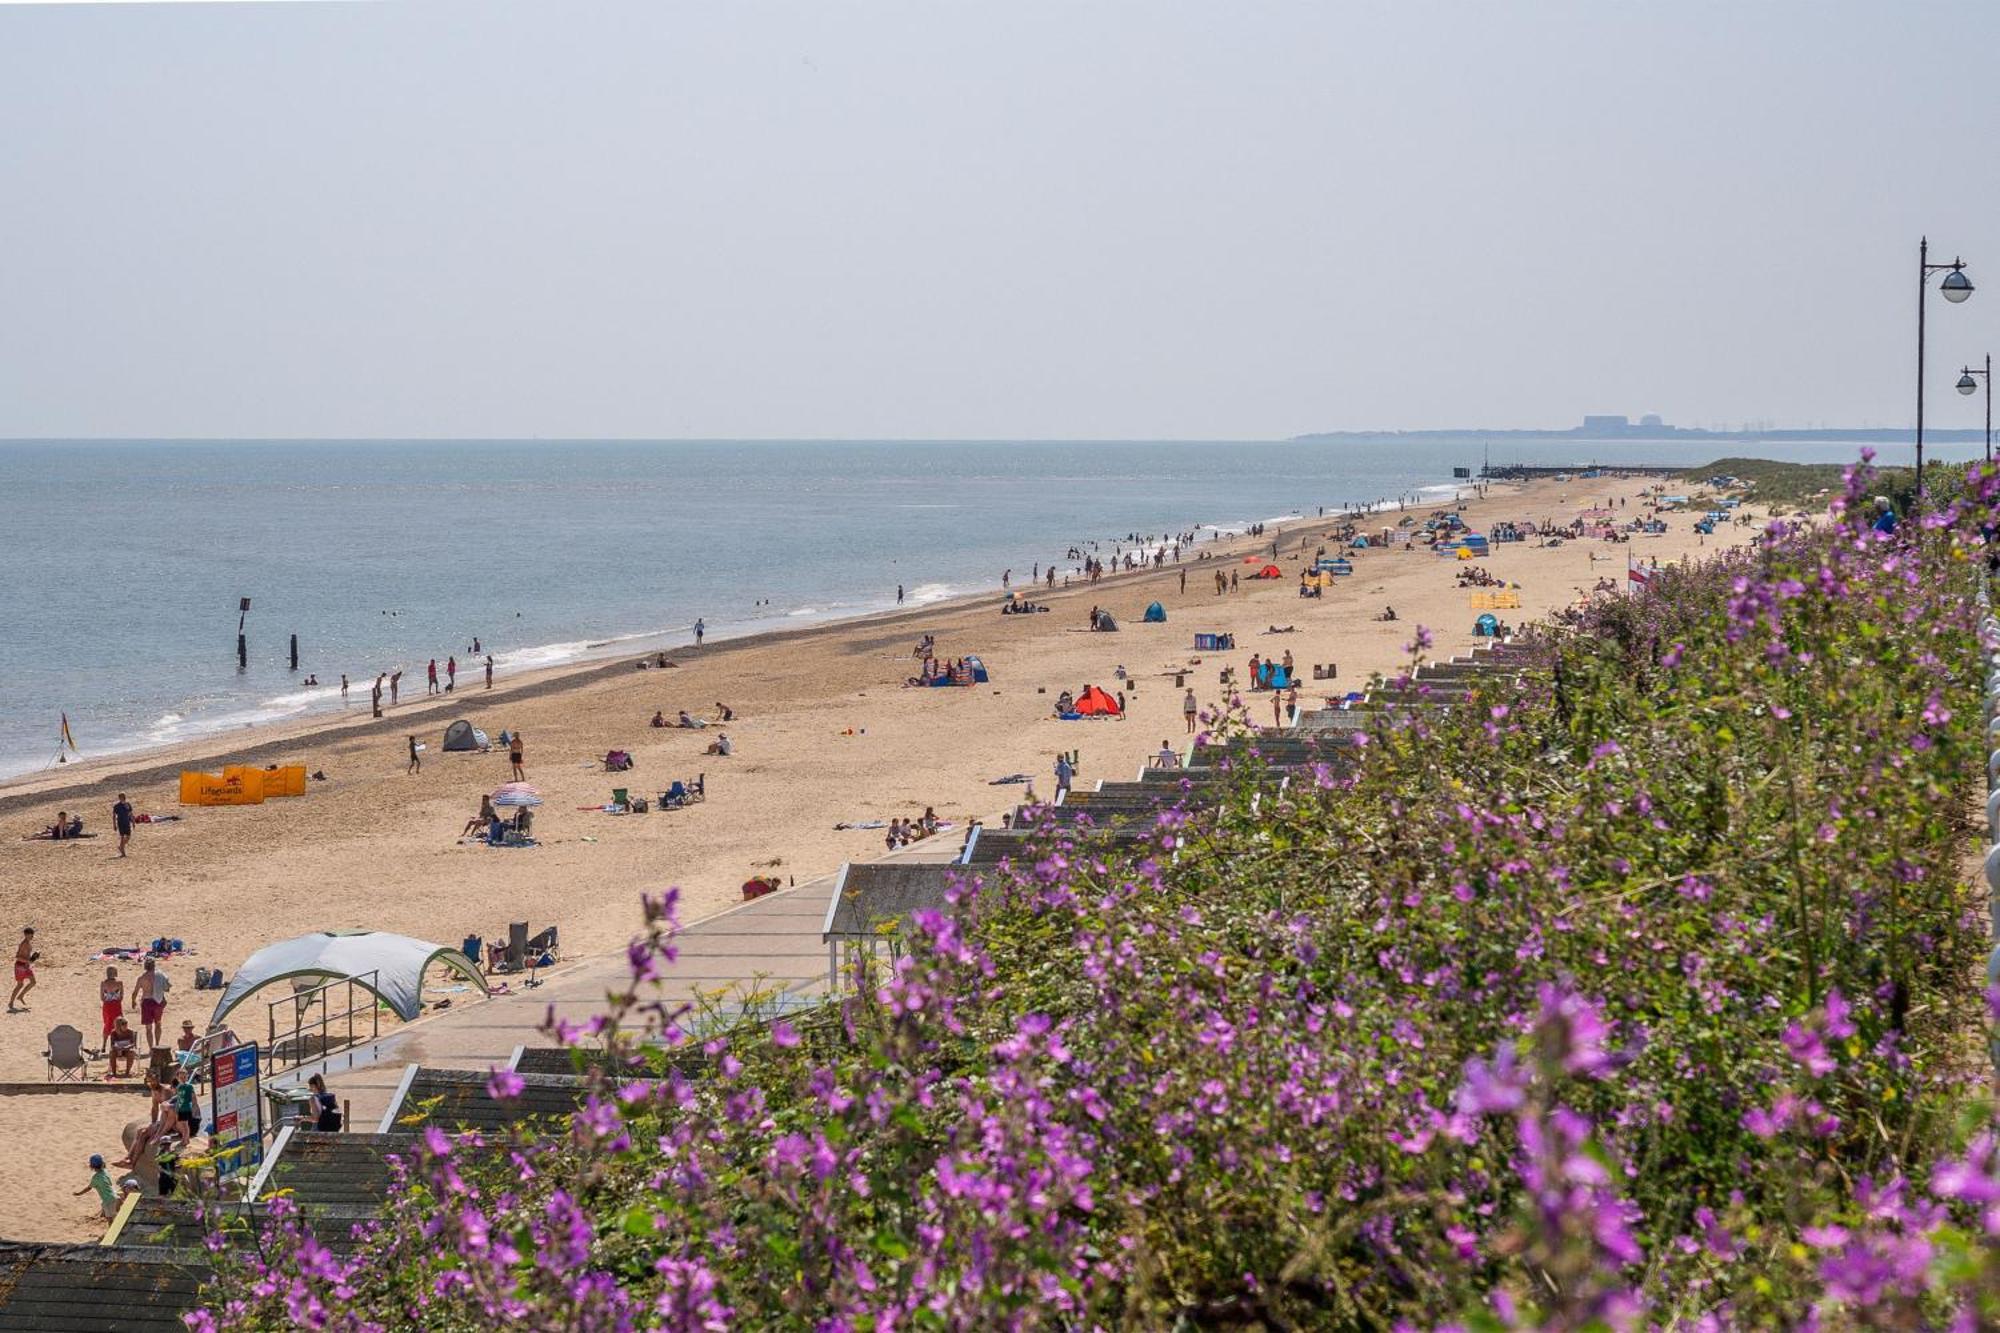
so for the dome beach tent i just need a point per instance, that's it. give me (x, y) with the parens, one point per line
(1269, 572)
(1093, 702)
(1156, 614)
(389, 965)
(462, 735)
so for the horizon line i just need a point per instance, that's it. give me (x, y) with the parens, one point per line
(1638, 435)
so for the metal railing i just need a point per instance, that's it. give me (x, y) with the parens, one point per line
(304, 1041)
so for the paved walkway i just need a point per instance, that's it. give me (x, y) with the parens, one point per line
(769, 945)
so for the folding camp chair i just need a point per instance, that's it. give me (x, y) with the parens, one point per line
(65, 1054)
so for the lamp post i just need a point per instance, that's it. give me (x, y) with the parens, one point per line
(1956, 287)
(1967, 385)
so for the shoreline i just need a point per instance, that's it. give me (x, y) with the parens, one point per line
(100, 776)
(829, 745)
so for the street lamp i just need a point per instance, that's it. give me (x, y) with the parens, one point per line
(1956, 287)
(1966, 384)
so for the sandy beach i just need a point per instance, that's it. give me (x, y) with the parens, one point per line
(825, 733)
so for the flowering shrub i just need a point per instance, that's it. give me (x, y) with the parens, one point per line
(1644, 990)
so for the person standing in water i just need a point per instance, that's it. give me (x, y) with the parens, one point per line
(489, 671)
(450, 673)
(899, 594)
(699, 630)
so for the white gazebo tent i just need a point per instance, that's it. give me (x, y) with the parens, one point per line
(388, 965)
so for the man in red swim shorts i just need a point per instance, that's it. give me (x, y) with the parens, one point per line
(24, 969)
(153, 985)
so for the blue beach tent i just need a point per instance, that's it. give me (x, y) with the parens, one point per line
(1156, 614)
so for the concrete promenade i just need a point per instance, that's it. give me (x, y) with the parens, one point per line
(769, 945)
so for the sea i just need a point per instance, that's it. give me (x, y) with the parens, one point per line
(123, 563)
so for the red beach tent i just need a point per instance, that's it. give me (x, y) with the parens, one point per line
(1094, 702)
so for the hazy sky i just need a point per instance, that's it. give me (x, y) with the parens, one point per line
(1008, 219)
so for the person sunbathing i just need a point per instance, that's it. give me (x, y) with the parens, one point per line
(690, 722)
(478, 822)
(161, 1120)
(67, 826)
(659, 719)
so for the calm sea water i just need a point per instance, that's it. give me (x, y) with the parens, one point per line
(121, 563)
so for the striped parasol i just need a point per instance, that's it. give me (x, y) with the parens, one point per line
(516, 793)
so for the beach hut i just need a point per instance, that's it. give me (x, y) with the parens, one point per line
(462, 736)
(1156, 614)
(1093, 702)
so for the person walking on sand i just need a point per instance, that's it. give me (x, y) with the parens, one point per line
(516, 752)
(109, 1200)
(121, 819)
(431, 685)
(1183, 581)
(699, 630)
(1064, 773)
(489, 671)
(153, 988)
(416, 759)
(450, 673)
(111, 998)
(24, 969)
(1190, 709)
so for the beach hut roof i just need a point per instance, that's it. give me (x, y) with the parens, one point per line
(397, 962)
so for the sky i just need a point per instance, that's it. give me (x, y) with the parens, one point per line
(940, 219)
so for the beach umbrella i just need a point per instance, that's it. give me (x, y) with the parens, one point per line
(516, 793)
